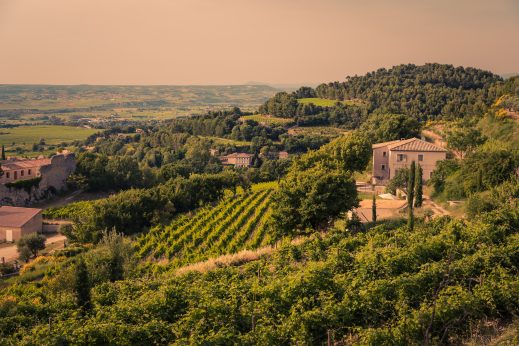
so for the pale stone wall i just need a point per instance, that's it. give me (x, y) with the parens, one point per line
(34, 225)
(16, 233)
(56, 174)
(20, 174)
(380, 165)
(430, 158)
(53, 180)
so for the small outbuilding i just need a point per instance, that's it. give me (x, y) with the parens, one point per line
(15, 222)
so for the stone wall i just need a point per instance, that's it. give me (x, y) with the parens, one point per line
(53, 180)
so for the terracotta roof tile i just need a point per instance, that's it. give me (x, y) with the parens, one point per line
(415, 144)
(22, 164)
(384, 144)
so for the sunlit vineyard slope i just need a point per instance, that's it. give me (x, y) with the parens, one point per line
(236, 223)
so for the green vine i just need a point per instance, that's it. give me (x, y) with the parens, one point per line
(24, 184)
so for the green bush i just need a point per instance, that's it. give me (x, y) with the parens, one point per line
(26, 185)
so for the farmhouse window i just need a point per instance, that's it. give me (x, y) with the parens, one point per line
(7, 175)
(29, 172)
(420, 157)
(383, 154)
(383, 167)
(401, 157)
(21, 173)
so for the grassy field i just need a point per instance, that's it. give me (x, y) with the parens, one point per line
(267, 119)
(32, 102)
(26, 136)
(327, 103)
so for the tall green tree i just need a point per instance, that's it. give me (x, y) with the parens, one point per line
(115, 245)
(374, 208)
(3, 152)
(310, 199)
(418, 189)
(463, 140)
(82, 285)
(410, 196)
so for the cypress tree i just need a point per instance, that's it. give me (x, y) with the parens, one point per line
(374, 208)
(480, 180)
(82, 285)
(418, 191)
(410, 196)
(3, 152)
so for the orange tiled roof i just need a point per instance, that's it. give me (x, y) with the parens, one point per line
(415, 144)
(16, 216)
(23, 164)
(384, 144)
(412, 144)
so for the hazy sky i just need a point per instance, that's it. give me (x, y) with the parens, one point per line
(237, 41)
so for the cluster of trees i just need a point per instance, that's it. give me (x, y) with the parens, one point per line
(144, 166)
(251, 129)
(286, 105)
(489, 165)
(509, 92)
(302, 143)
(319, 186)
(132, 211)
(429, 91)
(216, 123)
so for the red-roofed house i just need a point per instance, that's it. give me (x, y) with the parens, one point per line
(389, 157)
(16, 222)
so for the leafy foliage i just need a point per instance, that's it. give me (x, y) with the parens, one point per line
(399, 181)
(389, 127)
(132, 211)
(429, 91)
(319, 186)
(385, 286)
(29, 245)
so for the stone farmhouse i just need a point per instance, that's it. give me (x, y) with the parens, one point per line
(49, 176)
(16, 222)
(389, 157)
(237, 159)
(16, 169)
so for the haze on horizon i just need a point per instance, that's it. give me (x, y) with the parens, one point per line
(236, 41)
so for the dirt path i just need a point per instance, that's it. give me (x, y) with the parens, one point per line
(9, 253)
(436, 209)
